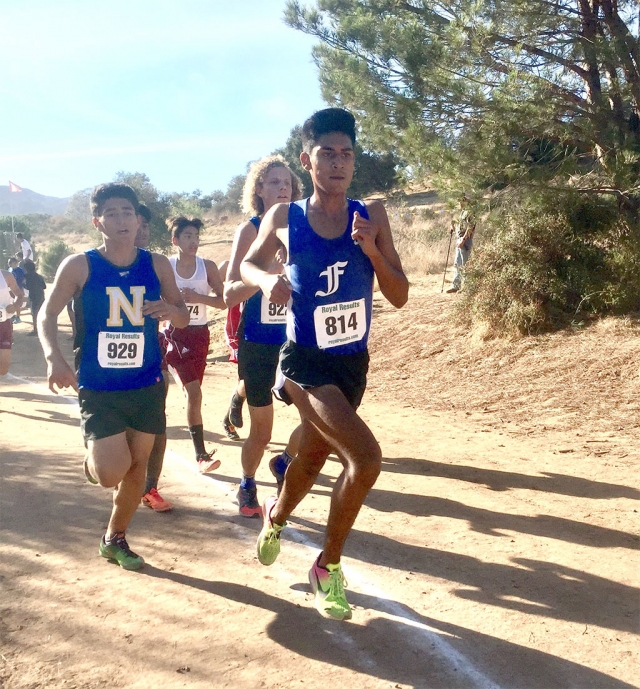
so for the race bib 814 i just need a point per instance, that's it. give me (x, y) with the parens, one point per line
(338, 324)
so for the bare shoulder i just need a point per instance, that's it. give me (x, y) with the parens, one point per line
(75, 265)
(160, 262)
(377, 211)
(281, 214)
(244, 227)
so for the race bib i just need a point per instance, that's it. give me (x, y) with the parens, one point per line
(197, 314)
(338, 324)
(4, 316)
(120, 350)
(272, 314)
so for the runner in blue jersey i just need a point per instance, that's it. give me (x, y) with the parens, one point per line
(120, 292)
(334, 248)
(262, 327)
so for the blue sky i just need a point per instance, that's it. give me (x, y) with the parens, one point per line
(185, 91)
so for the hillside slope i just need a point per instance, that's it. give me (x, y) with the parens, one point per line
(585, 382)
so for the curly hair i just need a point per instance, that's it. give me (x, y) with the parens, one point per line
(177, 225)
(251, 202)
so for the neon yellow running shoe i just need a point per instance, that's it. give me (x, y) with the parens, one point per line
(328, 587)
(268, 545)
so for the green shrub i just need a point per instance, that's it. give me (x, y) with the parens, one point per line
(52, 257)
(548, 257)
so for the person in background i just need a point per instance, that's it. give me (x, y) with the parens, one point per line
(152, 497)
(18, 274)
(25, 247)
(36, 285)
(187, 347)
(464, 228)
(10, 296)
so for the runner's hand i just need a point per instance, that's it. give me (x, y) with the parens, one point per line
(159, 309)
(364, 232)
(276, 288)
(60, 374)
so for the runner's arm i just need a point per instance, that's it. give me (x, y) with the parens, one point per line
(255, 266)
(376, 241)
(70, 278)
(18, 294)
(171, 307)
(235, 290)
(215, 285)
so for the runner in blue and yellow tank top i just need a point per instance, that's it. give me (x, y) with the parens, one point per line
(334, 248)
(262, 328)
(120, 294)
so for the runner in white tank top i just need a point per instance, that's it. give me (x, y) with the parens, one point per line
(10, 297)
(199, 283)
(186, 348)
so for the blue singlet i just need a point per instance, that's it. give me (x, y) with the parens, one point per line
(116, 346)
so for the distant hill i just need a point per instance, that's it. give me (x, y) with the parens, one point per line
(27, 201)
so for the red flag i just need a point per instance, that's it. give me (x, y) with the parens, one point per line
(14, 187)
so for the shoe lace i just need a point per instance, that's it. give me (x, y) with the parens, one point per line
(337, 584)
(273, 534)
(121, 542)
(206, 456)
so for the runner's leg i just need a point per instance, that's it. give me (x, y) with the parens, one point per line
(336, 423)
(193, 391)
(126, 497)
(258, 438)
(5, 361)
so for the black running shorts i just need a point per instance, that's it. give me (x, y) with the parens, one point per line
(309, 367)
(257, 364)
(104, 413)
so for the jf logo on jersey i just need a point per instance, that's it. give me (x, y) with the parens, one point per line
(333, 274)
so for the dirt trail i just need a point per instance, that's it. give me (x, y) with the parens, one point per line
(486, 555)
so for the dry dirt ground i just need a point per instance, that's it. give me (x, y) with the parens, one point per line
(498, 549)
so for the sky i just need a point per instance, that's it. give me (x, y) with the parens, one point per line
(186, 91)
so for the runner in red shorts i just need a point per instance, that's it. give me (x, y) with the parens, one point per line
(11, 297)
(187, 348)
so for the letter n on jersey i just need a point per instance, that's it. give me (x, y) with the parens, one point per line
(119, 303)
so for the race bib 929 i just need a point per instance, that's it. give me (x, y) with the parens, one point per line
(120, 350)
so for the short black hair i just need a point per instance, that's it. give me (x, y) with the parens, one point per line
(29, 266)
(19, 235)
(11, 259)
(144, 212)
(325, 122)
(103, 192)
(178, 224)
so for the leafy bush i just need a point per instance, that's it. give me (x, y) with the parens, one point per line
(52, 257)
(548, 258)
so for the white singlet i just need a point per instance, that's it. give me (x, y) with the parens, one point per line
(199, 283)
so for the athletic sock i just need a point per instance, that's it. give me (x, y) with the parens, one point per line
(247, 482)
(151, 483)
(282, 462)
(197, 436)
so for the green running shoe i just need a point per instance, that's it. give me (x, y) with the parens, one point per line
(268, 545)
(117, 549)
(328, 587)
